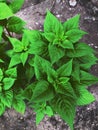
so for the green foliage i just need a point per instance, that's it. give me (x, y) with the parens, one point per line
(49, 69)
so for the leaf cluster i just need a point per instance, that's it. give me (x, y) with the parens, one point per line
(48, 70)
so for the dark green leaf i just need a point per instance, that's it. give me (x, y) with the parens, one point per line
(5, 11)
(1, 75)
(41, 90)
(1, 30)
(15, 24)
(66, 69)
(55, 53)
(87, 78)
(87, 61)
(16, 5)
(65, 107)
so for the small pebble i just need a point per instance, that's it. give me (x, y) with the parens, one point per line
(72, 3)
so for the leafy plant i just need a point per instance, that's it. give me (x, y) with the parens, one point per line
(48, 70)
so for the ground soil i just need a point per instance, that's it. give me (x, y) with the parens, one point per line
(34, 13)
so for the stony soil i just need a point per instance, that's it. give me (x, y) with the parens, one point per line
(34, 13)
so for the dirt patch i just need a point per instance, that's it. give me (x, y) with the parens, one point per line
(34, 14)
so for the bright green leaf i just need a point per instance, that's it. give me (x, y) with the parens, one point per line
(72, 23)
(2, 108)
(5, 11)
(67, 44)
(85, 97)
(55, 53)
(19, 105)
(81, 49)
(17, 45)
(37, 47)
(6, 98)
(53, 25)
(24, 57)
(12, 72)
(75, 35)
(16, 5)
(49, 111)
(8, 83)
(15, 60)
(39, 117)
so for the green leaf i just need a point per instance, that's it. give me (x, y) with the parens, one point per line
(6, 98)
(24, 57)
(28, 91)
(29, 73)
(53, 25)
(66, 69)
(40, 67)
(41, 90)
(87, 79)
(1, 31)
(32, 35)
(75, 35)
(65, 107)
(81, 49)
(15, 24)
(1, 61)
(16, 5)
(17, 45)
(37, 47)
(2, 108)
(5, 11)
(12, 72)
(39, 117)
(85, 97)
(1, 74)
(14, 60)
(72, 23)
(19, 105)
(43, 69)
(49, 111)
(50, 36)
(66, 44)
(8, 83)
(87, 61)
(55, 53)
(76, 72)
